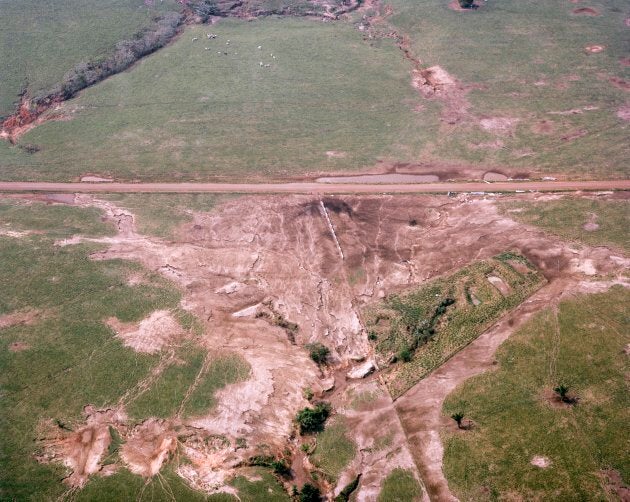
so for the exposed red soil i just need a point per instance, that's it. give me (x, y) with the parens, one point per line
(150, 335)
(624, 112)
(26, 118)
(26, 317)
(19, 346)
(148, 446)
(585, 11)
(620, 83)
(615, 485)
(624, 61)
(545, 127)
(80, 450)
(574, 135)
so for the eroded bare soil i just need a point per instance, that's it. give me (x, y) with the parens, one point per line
(256, 265)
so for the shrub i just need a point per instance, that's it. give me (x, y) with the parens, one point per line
(313, 419)
(458, 417)
(318, 352)
(405, 355)
(466, 4)
(344, 495)
(310, 493)
(281, 468)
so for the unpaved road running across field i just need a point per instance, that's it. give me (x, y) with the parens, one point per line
(313, 188)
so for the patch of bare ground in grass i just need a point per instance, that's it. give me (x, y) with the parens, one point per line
(80, 450)
(23, 317)
(151, 334)
(585, 11)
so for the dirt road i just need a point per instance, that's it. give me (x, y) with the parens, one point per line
(314, 188)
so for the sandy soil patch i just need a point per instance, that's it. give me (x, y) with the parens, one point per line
(591, 225)
(436, 82)
(620, 83)
(26, 317)
(148, 446)
(499, 125)
(80, 450)
(95, 179)
(494, 176)
(594, 49)
(382, 178)
(585, 11)
(624, 112)
(615, 484)
(540, 461)
(15, 234)
(500, 284)
(544, 127)
(573, 135)
(19, 346)
(334, 154)
(151, 334)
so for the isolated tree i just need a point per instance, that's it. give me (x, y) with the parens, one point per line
(563, 393)
(318, 352)
(310, 493)
(313, 419)
(466, 4)
(458, 417)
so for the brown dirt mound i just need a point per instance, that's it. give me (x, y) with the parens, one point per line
(148, 446)
(615, 484)
(494, 176)
(585, 11)
(544, 127)
(151, 334)
(81, 450)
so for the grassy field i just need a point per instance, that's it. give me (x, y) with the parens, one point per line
(334, 449)
(64, 356)
(526, 59)
(400, 486)
(570, 218)
(40, 40)
(190, 113)
(582, 347)
(401, 320)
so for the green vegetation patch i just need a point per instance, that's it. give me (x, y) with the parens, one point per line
(526, 61)
(190, 113)
(335, 450)
(584, 347)
(590, 221)
(400, 486)
(162, 214)
(417, 331)
(41, 40)
(259, 486)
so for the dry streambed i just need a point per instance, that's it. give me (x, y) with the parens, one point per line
(267, 275)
